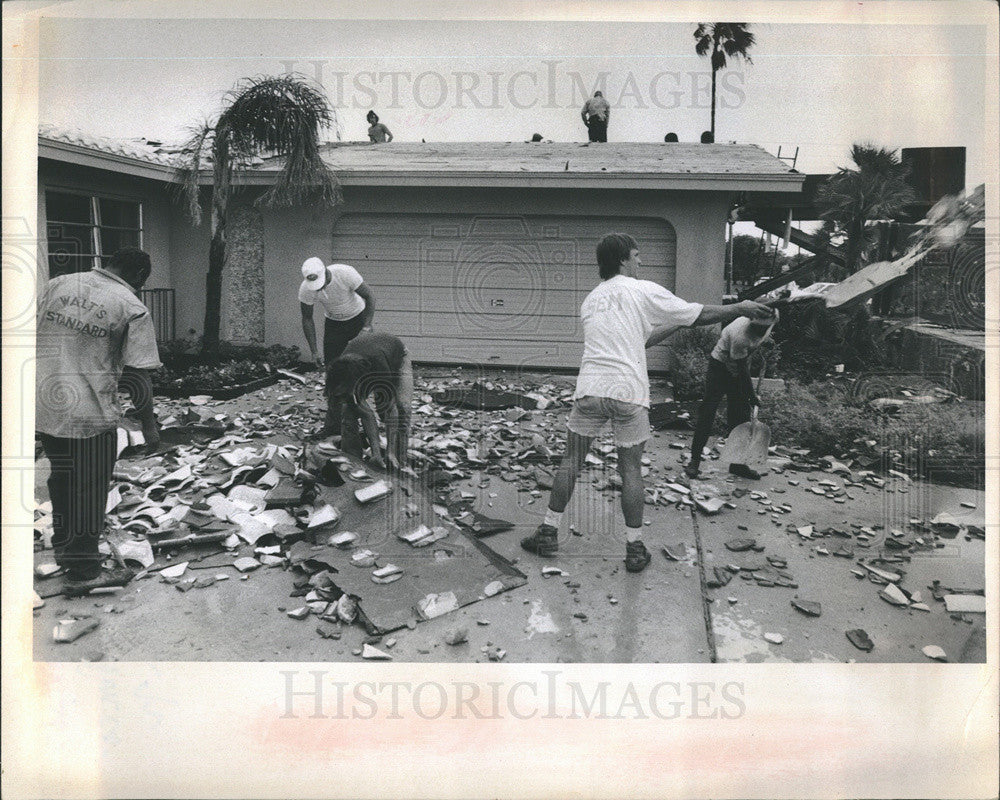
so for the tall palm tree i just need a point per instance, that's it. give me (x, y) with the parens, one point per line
(262, 116)
(723, 40)
(875, 188)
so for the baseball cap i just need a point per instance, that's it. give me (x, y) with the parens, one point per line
(313, 273)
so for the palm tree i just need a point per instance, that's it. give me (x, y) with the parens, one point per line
(875, 188)
(262, 116)
(723, 40)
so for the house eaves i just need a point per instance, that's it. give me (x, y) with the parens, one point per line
(99, 159)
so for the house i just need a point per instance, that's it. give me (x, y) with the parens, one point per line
(478, 253)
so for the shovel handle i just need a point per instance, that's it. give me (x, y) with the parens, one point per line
(763, 371)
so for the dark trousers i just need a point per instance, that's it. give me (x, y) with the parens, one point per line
(740, 398)
(597, 129)
(336, 336)
(78, 488)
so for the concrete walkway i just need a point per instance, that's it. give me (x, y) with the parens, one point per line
(596, 611)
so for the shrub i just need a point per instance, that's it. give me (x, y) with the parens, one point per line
(185, 367)
(689, 351)
(819, 417)
(942, 441)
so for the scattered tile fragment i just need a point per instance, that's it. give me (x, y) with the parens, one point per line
(965, 603)
(456, 636)
(174, 571)
(740, 545)
(934, 652)
(374, 654)
(809, 607)
(69, 630)
(860, 640)
(894, 595)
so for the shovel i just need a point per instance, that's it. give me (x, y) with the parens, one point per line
(747, 444)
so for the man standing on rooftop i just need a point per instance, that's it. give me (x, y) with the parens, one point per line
(596, 114)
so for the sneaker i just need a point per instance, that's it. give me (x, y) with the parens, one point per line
(106, 578)
(542, 542)
(637, 557)
(691, 470)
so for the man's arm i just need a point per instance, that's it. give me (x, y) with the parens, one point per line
(365, 293)
(748, 308)
(388, 135)
(139, 386)
(309, 331)
(370, 424)
(660, 333)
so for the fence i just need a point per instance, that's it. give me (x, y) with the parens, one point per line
(160, 303)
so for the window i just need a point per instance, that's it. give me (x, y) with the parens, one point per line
(84, 231)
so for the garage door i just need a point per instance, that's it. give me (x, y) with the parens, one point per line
(490, 290)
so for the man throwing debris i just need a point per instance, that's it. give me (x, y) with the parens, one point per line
(596, 114)
(92, 332)
(348, 308)
(621, 318)
(374, 369)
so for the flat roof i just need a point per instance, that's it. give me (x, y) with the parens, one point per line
(626, 165)
(605, 164)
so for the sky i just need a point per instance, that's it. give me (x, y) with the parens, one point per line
(818, 87)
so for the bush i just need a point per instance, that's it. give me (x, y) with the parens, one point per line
(819, 417)
(689, 352)
(942, 442)
(234, 365)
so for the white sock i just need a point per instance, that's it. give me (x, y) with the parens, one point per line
(553, 518)
(633, 534)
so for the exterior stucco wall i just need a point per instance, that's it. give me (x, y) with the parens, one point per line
(292, 235)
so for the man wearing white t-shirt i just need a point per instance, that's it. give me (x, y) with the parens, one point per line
(348, 308)
(621, 317)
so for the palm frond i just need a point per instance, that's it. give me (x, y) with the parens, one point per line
(724, 40)
(191, 160)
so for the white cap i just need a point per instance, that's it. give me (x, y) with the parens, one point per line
(313, 273)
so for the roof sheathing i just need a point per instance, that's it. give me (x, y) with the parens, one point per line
(632, 165)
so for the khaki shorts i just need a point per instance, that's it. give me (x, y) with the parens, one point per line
(629, 422)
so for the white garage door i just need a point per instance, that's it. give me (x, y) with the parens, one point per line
(490, 290)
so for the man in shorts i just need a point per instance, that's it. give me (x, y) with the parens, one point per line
(621, 317)
(348, 308)
(374, 370)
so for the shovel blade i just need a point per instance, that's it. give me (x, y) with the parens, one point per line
(748, 443)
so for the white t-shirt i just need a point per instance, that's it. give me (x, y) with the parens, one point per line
(339, 300)
(736, 342)
(618, 316)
